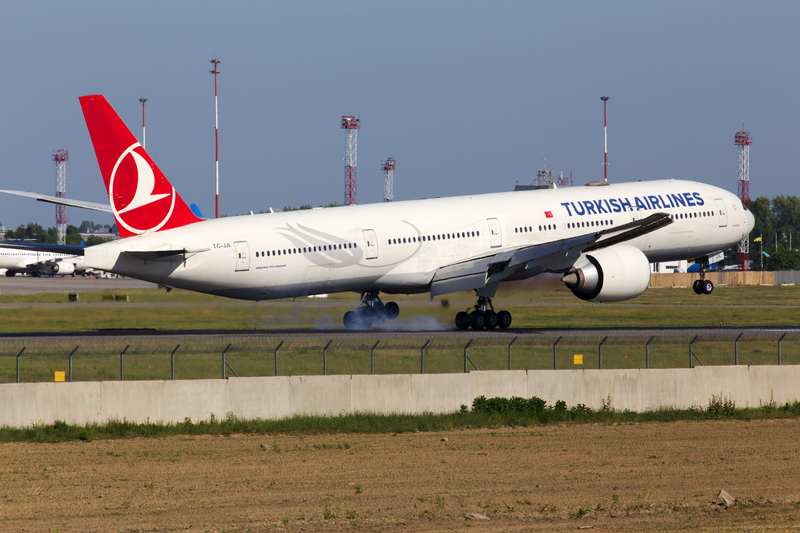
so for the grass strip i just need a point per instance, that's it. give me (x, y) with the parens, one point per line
(485, 413)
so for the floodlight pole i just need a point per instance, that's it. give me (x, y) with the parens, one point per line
(144, 136)
(216, 62)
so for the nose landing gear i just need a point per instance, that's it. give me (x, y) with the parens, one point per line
(703, 285)
(370, 311)
(483, 316)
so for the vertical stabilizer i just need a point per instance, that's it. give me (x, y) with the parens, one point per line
(141, 197)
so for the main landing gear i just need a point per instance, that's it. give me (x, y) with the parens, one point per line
(481, 317)
(370, 311)
(703, 285)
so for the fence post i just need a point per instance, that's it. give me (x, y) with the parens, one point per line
(779, 348)
(224, 362)
(509, 351)
(691, 353)
(647, 352)
(600, 353)
(121, 374)
(554, 352)
(465, 355)
(372, 358)
(70, 361)
(422, 357)
(20, 353)
(278, 347)
(172, 363)
(325, 358)
(736, 349)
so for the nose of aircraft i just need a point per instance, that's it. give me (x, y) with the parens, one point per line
(749, 221)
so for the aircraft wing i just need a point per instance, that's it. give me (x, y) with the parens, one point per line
(555, 256)
(105, 208)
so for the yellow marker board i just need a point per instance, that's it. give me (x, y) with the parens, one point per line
(578, 359)
(60, 376)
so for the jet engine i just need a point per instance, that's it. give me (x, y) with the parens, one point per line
(612, 274)
(64, 268)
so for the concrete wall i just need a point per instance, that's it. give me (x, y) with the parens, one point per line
(25, 404)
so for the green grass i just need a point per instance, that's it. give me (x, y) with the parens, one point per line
(491, 413)
(546, 305)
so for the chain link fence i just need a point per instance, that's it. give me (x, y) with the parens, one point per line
(221, 356)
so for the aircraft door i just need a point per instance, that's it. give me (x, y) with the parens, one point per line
(242, 256)
(495, 237)
(723, 214)
(371, 242)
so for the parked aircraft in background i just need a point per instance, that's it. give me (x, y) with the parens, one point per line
(37, 259)
(600, 237)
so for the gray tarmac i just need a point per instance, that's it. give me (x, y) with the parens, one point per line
(30, 285)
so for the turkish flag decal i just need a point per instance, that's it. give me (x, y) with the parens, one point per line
(548, 214)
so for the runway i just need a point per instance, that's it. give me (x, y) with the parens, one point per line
(31, 285)
(791, 333)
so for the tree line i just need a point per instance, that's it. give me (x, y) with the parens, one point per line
(777, 221)
(37, 233)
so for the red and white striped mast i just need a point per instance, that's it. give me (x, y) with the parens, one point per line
(144, 136)
(350, 125)
(743, 140)
(216, 62)
(605, 139)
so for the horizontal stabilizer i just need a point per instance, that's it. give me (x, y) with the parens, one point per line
(105, 208)
(163, 255)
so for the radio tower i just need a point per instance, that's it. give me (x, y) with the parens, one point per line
(743, 141)
(350, 125)
(216, 62)
(61, 157)
(605, 139)
(388, 167)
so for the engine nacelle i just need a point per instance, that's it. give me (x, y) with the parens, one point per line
(64, 268)
(612, 274)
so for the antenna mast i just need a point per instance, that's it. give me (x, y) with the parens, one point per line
(61, 157)
(743, 140)
(388, 167)
(350, 125)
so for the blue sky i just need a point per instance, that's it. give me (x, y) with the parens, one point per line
(468, 96)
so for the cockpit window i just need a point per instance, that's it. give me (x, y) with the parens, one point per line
(744, 206)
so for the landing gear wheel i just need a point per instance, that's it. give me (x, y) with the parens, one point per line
(503, 319)
(392, 310)
(462, 320)
(364, 317)
(707, 286)
(378, 314)
(350, 320)
(491, 320)
(697, 286)
(477, 319)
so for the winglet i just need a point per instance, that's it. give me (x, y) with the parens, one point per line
(141, 197)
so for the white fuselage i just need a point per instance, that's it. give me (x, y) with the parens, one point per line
(397, 247)
(21, 260)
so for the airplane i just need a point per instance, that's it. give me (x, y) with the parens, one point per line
(600, 238)
(37, 259)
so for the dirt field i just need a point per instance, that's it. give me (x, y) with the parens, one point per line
(651, 477)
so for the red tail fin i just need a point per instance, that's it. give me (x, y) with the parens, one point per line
(142, 198)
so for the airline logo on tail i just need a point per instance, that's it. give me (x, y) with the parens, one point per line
(141, 197)
(128, 195)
